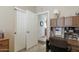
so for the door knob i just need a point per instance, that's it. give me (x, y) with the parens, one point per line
(14, 32)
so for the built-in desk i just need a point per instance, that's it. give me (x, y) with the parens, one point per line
(74, 44)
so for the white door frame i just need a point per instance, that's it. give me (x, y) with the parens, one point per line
(48, 21)
(16, 8)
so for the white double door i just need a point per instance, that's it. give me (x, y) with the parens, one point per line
(26, 30)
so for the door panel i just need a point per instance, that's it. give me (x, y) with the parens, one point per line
(32, 30)
(20, 30)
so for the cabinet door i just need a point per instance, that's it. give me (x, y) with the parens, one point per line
(60, 22)
(68, 21)
(53, 22)
(75, 21)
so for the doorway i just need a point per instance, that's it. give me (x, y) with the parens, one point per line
(44, 26)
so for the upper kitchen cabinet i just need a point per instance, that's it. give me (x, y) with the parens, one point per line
(75, 21)
(57, 23)
(72, 21)
(53, 22)
(60, 22)
(68, 22)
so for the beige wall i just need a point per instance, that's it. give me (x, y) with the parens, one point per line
(7, 19)
(7, 22)
(65, 10)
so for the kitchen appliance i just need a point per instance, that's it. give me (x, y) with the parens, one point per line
(59, 32)
(71, 33)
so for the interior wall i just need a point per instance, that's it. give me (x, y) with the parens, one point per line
(7, 23)
(64, 10)
(6, 19)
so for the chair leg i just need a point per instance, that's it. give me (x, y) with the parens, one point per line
(52, 48)
(47, 46)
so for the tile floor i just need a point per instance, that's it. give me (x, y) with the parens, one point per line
(41, 47)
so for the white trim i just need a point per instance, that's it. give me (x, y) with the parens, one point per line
(16, 8)
(42, 12)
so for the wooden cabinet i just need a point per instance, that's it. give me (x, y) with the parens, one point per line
(68, 22)
(53, 22)
(71, 21)
(4, 45)
(60, 22)
(74, 44)
(57, 23)
(75, 21)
